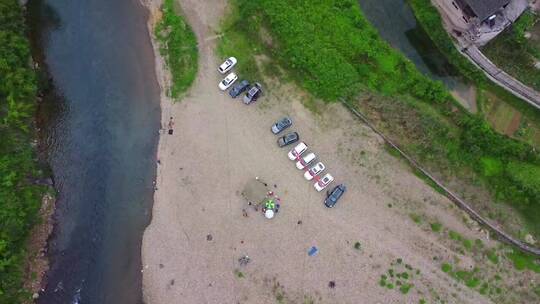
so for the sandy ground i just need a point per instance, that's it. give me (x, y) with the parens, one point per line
(219, 144)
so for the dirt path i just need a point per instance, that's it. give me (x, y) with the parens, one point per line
(198, 232)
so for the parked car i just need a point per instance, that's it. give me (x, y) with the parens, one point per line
(297, 151)
(239, 88)
(333, 196)
(227, 65)
(288, 139)
(314, 171)
(281, 125)
(323, 182)
(305, 161)
(228, 81)
(253, 93)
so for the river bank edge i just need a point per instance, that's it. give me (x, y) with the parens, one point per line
(37, 262)
(164, 79)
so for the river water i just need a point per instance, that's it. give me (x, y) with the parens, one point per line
(101, 123)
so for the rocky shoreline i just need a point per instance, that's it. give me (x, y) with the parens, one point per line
(37, 263)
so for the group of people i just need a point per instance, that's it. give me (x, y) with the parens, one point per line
(270, 207)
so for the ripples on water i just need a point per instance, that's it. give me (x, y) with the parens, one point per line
(101, 125)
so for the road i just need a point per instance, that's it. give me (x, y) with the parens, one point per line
(500, 77)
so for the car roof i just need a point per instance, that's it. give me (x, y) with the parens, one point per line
(300, 146)
(310, 156)
(327, 176)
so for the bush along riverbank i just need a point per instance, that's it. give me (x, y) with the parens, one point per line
(178, 46)
(19, 198)
(346, 58)
(430, 20)
(498, 106)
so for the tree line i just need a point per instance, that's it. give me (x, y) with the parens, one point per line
(19, 198)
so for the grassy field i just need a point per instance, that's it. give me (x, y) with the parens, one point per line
(347, 59)
(178, 46)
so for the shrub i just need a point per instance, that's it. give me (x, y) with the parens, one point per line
(446, 267)
(436, 227)
(178, 46)
(524, 261)
(491, 166)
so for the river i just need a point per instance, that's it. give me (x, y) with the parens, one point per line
(100, 132)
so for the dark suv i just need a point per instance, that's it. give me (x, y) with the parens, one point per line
(333, 196)
(288, 139)
(253, 93)
(239, 88)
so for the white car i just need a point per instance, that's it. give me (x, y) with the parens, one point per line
(305, 161)
(314, 171)
(227, 65)
(227, 81)
(297, 151)
(323, 182)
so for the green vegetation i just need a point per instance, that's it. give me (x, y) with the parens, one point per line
(436, 227)
(405, 288)
(430, 20)
(235, 43)
(516, 54)
(493, 257)
(524, 261)
(400, 277)
(469, 278)
(357, 246)
(346, 57)
(528, 176)
(416, 218)
(238, 274)
(178, 46)
(446, 267)
(500, 178)
(335, 60)
(19, 199)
